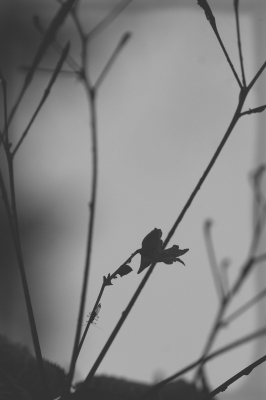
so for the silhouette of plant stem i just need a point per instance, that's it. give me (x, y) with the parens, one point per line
(244, 271)
(245, 371)
(11, 210)
(91, 92)
(73, 65)
(14, 225)
(218, 323)
(242, 97)
(241, 310)
(236, 4)
(106, 282)
(109, 18)
(233, 345)
(55, 73)
(48, 39)
(91, 96)
(210, 17)
(112, 59)
(213, 262)
(226, 296)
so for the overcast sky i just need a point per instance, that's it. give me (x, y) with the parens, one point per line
(162, 112)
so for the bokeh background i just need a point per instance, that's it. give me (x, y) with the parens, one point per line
(162, 111)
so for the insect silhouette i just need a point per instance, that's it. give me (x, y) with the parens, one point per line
(94, 315)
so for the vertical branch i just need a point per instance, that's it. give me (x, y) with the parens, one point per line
(236, 4)
(3, 83)
(18, 250)
(92, 204)
(213, 263)
(91, 92)
(11, 210)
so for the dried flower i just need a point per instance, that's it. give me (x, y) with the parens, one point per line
(152, 251)
(124, 269)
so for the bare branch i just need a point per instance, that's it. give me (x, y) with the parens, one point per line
(236, 4)
(245, 371)
(210, 17)
(45, 95)
(212, 259)
(112, 59)
(109, 18)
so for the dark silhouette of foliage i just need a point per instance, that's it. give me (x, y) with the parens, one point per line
(19, 374)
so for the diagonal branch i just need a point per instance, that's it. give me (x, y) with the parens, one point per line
(156, 388)
(245, 371)
(45, 96)
(124, 39)
(122, 319)
(109, 18)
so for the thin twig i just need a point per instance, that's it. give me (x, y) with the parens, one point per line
(45, 96)
(210, 17)
(112, 59)
(239, 342)
(91, 94)
(254, 80)
(48, 39)
(236, 4)
(218, 323)
(106, 282)
(227, 57)
(92, 205)
(109, 18)
(3, 83)
(56, 45)
(91, 318)
(212, 259)
(224, 275)
(252, 260)
(6, 204)
(236, 116)
(245, 371)
(11, 210)
(241, 310)
(19, 256)
(113, 334)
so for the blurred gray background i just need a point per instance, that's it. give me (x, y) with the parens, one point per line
(162, 112)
